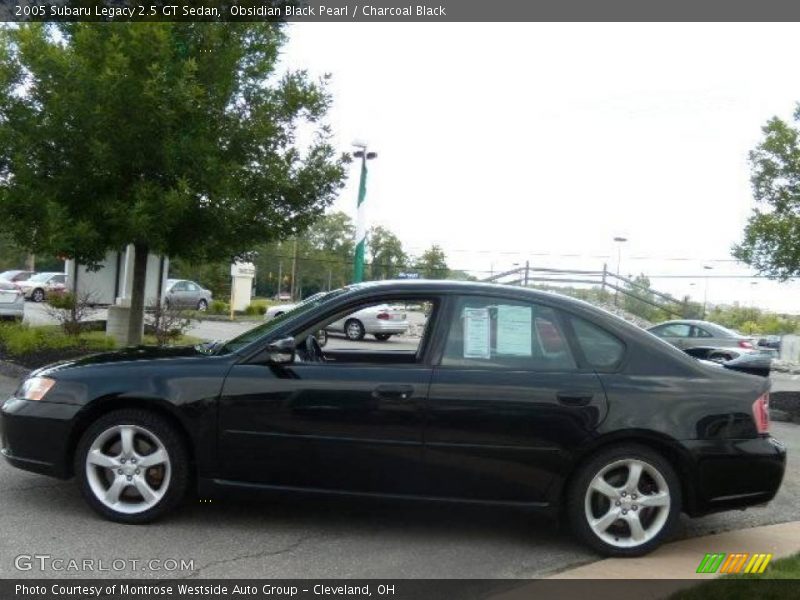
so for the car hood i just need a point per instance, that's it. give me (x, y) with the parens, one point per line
(133, 354)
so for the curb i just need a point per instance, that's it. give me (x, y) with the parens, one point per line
(10, 369)
(680, 560)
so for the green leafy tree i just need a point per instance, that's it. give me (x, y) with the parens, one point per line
(177, 137)
(432, 264)
(771, 241)
(387, 257)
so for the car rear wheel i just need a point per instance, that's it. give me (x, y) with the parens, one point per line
(202, 306)
(132, 466)
(37, 295)
(354, 330)
(624, 501)
(382, 337)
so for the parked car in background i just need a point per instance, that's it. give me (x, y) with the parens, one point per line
(182, 293)
(772, 342)
(380, 321)
(696, 334)
(12, 301)
(514, 397)
(38, 286)
(16, 275)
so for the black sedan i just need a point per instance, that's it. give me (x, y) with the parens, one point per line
(508, 397)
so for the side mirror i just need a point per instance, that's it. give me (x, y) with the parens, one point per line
(281, 351)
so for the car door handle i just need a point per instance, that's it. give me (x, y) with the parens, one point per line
(574, 398)
(393, 392)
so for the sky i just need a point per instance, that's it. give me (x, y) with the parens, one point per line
(524, 141)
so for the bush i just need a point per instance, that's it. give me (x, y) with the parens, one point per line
(219, 307)
(21, 339)
(255, 309)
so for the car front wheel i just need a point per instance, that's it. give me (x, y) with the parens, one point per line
(37, 295)
(202, 306)
(132, 466)
(624, 501)
(382, 337)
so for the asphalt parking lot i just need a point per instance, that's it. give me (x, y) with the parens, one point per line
(315, 538)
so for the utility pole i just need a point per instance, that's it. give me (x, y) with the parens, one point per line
(705, 292)
(527, 271)
(280, 278)
(361, 219)
(294, 270)
(330, 276)
(620, 240)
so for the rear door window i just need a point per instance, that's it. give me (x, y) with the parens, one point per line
(497, 333)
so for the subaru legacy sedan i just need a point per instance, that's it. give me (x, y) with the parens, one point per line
(511, 397)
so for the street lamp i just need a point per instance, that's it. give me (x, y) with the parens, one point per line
(619, 241)
(361, 221)
(752, 294)
(705, 293)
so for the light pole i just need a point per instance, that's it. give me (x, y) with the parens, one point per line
(705, 293)
(619, 241)
(752, 294)
(361, 221)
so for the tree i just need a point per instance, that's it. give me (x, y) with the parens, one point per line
(432, 264)
(771, 243)
(177, 137)
(387, 256)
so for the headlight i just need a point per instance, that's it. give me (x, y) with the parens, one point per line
(35, 388)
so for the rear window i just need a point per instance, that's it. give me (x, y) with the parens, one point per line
(600, 349)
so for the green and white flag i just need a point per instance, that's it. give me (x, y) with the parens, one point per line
(361, 226)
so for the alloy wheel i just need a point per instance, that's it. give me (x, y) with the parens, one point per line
(627, 503)
(128, 469)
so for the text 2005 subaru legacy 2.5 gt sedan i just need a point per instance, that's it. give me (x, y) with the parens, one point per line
(511, 397)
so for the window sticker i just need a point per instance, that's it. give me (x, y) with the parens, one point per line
(476, 333)
(514, 330)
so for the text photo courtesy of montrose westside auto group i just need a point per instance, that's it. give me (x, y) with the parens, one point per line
(371, 301)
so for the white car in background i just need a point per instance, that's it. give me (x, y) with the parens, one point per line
(382, 321)
(38, 286)
(12, 301)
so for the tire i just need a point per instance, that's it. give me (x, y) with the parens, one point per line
(614, 537)
(37, 295)
(354, 330)
(202, 306)
(382, 337)
(322, 338)
(166, 481)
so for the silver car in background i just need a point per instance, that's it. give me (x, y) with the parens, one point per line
(182, 293)
(16, 275)
(381, 321)
(38, 286)
(689, 333)
(12, 301)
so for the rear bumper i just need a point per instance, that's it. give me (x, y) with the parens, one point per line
(731, 474)
(35, 435)
(391, 327)
(12, 310)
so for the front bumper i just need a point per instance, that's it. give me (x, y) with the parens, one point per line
(35, 435)
(731, 474)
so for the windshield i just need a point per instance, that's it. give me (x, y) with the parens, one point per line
(248, 337)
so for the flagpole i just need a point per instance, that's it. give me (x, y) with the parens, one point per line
(361, 219)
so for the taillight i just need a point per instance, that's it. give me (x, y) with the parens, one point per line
(761, 413)
(745, 344)
(383, 316)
